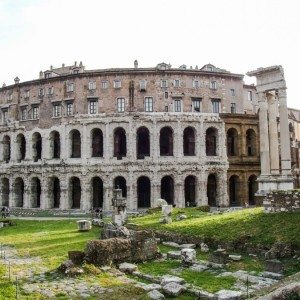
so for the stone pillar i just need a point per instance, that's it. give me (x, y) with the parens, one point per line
(12, 198)
(46, 147)
(179, 192)
(273, 134)
(29, 147)
(107, 187)
(202, 190)
(178, 141)
(64, 143)
(27, 194)
(107, 153)
(222, 195)
(45, 195)
(264, 135)
(86, 197)
(284, 134)
(85, 144)
(155, 190)
(64, 193)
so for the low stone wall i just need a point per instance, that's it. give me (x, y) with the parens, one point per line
(280, 201)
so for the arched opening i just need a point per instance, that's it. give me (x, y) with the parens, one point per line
(232, 142)
(251, 142)
(55, 192)
(4, 192)
(21, 147)
(97, 143)
(120, 148)
(234, 190)
(166, 141)
(143, 191)
(55, 144)
(212, 190)
(211, 141)
(252, 189)
(120, 183)
(35, 193)
(143, 143)
(167, 189)
(75, 189)
(36, 146)
(75, 143)
(190, 191)
(189, 141)
(6, 148)
(97, 187)
(19, 192)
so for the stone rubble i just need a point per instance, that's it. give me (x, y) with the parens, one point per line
(155, 295)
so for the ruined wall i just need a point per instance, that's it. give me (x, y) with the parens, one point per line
(280, 201)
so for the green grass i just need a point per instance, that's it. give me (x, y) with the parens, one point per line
(251, 225)
(158, 268)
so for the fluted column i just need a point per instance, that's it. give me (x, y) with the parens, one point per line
(285, 149)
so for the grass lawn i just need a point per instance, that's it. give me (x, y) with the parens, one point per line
(253, 225)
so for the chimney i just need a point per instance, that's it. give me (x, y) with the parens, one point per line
(80, 64)
(136, 64)
(196, 67)
(51, 68)
(41, 74)
(75, 64)
(63, 65)
(3, 85)
(17, 80)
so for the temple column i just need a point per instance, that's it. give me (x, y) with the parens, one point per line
(273, 134)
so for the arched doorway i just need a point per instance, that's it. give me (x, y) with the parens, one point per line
(75, 139)
(234, 190)
(211, 141)
(21, 147)
(97, 187)
(143, 143)
(252, 189)
(167, 189)
(120, 146)
(189, 141)
(35, 199)
(75, 191)
(6, 149)
(166, 141)
(36, 146)
(212, 190)
(120, 183)
(143, 192)
(97, 143)
(251, 142)
(4, 201)
(232, 142)
(190, 191)
(19, 192)
(55, 144)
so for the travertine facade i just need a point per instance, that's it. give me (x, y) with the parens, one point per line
(70, 137)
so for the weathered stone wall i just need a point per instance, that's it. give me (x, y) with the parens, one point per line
(280, 201)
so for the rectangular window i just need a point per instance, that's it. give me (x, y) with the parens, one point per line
(120, 105)
(233, 108)
(93, 107)
(70, 87)
(232, 92)
(41, 92)
(250, 96)
(166, 108)
(213, 85)
(176, 83)
(56, 110)
(196, 104)
(50, 90)
(104, 84)
(196, 84)
(166, 95)
(35, 112)
(143, 85)
(117, 84)
(215, 105)
(92, 85)
(164, 83)
(24, 113)
(47, 75)
(27, 94)
(148, 104)
(177, 105)
(69, 109)
(4, 115)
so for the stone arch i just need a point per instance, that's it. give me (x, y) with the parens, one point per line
(21, 147)
(4, 196)
(36, 146)
(75, 141)
(97, 194)
(6, 148)
(35, 192)
(234, 188)
(232, 142)
(166, 141)
(144, 192)
(120, 144)
(167, 189)
(75, 192)
(212, 189)
(190, 191)
(251, 141)
(54, 144)
(189, 141)
(120, 182)
(252, 189)
(55, 192)
(18, 190)
(142, 142)
(97, 142)
(211, 141)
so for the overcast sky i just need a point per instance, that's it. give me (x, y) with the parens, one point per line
(236, 35)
